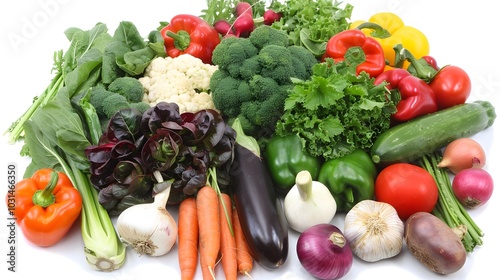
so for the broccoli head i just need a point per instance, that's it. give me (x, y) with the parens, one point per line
(303, 61)
(114, 103)
(140, 106)
(250, 67)
(128, 87)
(228, 93)
(261, 116)
(263, 87)
(97, 95)
(231, 52)
(254, 77)
(276, 63)
(265, 35)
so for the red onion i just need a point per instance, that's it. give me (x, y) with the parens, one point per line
(324, 252)
(473, 187)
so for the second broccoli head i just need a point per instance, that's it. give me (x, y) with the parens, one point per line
(254, 75)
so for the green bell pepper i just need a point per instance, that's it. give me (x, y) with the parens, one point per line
(285, 158)
(350, 178)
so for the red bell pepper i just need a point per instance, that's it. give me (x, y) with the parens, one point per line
(338, 46)
(417, 97)
(188, 34)
(46, 206)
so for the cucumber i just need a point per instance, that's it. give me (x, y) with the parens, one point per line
(409, 141)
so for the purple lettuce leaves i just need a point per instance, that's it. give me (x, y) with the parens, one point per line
(181, 146)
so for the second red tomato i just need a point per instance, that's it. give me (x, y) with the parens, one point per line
(452, 86)
(407, 187)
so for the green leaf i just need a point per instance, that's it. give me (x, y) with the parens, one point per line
(316, 47)
(135, 62)
(156, 43)
(322, 93)
(127, 33)
(359, 90)
(368, 104)
(41, 149)
(331, 126)
(110, 69)
(85, 66)
(65, 131)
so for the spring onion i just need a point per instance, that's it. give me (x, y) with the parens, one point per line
(448, 207)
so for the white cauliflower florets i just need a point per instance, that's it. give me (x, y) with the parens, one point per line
(184, 80)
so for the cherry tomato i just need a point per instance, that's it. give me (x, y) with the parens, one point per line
(452, 86)
(407, 187)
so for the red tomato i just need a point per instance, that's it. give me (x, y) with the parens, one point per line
(452, 86)
(407, 187)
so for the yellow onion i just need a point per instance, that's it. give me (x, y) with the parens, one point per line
(463, 153)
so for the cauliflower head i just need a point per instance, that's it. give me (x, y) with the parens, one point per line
(184, 80)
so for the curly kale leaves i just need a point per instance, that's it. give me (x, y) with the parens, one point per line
(336, 111)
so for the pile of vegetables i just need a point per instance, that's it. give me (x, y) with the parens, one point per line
(250, 120)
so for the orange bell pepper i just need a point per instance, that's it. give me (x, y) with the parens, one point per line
(46, 206)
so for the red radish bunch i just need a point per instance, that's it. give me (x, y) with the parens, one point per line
(244, 23)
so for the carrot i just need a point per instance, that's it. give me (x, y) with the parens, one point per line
(228, 243)
(207, 205)
(188, 238)
(245, 260)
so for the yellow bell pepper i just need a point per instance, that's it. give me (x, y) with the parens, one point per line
(389, 30)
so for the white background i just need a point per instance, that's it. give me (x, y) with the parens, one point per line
(459, 32)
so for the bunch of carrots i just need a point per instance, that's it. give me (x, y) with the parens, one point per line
(209, 227)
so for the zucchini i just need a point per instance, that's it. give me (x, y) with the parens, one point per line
(411, 140)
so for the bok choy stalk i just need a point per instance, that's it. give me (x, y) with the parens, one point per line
(103, 248)
(56, 137)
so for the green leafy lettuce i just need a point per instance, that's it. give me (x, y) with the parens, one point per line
(312, 23)
(336, 111)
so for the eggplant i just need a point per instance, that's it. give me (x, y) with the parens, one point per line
(259, 209)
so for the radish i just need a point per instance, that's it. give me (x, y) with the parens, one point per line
(271, 16)
(223, 27)
(243, 25)
(243, 8)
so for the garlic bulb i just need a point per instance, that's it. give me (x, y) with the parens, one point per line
(374, 230)
(308, 203)
(149, 228)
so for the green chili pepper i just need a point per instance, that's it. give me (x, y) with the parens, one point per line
(350, 178)
(285, 158)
